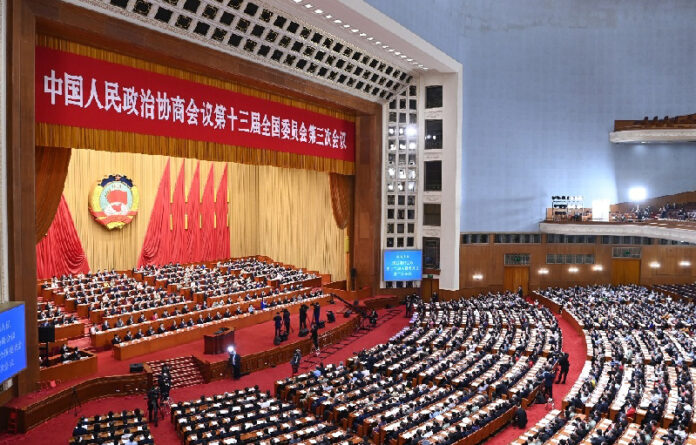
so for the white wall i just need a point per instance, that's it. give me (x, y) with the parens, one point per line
(543, 83)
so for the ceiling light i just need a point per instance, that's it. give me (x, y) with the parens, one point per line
(362, 34)
(338, 21)
(385, 46)
(377, 42)
(391, 50)
(318, 11)
(308, 5)
(354, 30)
(573, 269)
(685, 263)
(597, 268)
(543, 271)
(636, 194)
(370, 38)
(346, 26)
(477, 277)
(654, 265)
(398, 53)
(328, 16)
(411, 131)
(409, 60)
(403, 56)
(297, 1)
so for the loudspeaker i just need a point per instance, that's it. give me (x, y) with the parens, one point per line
(276, 340)
(136, 367)
(303, 332)
(347, 313)
(330, 317)
(47, 334)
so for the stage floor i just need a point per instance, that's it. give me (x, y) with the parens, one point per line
(257, 338)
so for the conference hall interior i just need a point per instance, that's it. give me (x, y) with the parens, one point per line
(347, 222)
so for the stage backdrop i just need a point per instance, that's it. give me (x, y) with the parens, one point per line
(279, 212)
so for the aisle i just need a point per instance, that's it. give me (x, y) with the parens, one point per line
(574, 344)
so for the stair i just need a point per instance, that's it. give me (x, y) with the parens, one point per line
(311, 361)
(184, 371)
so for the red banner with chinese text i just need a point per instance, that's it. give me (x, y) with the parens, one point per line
(81, 91)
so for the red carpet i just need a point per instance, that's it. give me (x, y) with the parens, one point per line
(248, 340)
(574, 344)
(59, 429)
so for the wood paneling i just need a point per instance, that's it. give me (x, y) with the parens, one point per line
(20, 180)
(366, 241)
(625, 271)
(516, 276)
(487, 260)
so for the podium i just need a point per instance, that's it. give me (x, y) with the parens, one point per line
(217, 343)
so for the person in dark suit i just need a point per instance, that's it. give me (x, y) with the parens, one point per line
(315, 337)
(278, 321)
(564, 364)
(317, 313)
(286, 320)
(295, 361)
(520, 417)
(235, 362)
(153, 404)
(303, 316)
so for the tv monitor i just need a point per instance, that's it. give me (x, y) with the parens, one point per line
(13, 340)
(403, 265)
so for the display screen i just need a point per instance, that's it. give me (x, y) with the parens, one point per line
(13, 346)
(403, 265)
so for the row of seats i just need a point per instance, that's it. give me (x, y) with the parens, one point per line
(638, 377)
(249, 416)
(456, 369)
(112, 428)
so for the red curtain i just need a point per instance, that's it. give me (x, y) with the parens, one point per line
(222, 230)
(208, 250)
(51, 168)
(193, 206)
(60, 251)
(156, 246)
(341, 198)
(179, 243)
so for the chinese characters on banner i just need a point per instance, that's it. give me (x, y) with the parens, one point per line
(84, 92)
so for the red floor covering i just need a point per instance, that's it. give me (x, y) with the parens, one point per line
(574, 344)
(248, 340)
(59, 429)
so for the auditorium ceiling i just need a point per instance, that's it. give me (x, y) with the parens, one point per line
(331, 42)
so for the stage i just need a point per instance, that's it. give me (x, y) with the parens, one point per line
(248, 340)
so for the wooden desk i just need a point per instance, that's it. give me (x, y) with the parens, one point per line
(70, 370)
(71, 330)
(147, 345)
(103, 338)
(218, 343)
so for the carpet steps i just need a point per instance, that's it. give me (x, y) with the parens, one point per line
(184, 371)
(311, 361)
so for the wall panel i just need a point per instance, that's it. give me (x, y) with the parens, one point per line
(487, 260)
